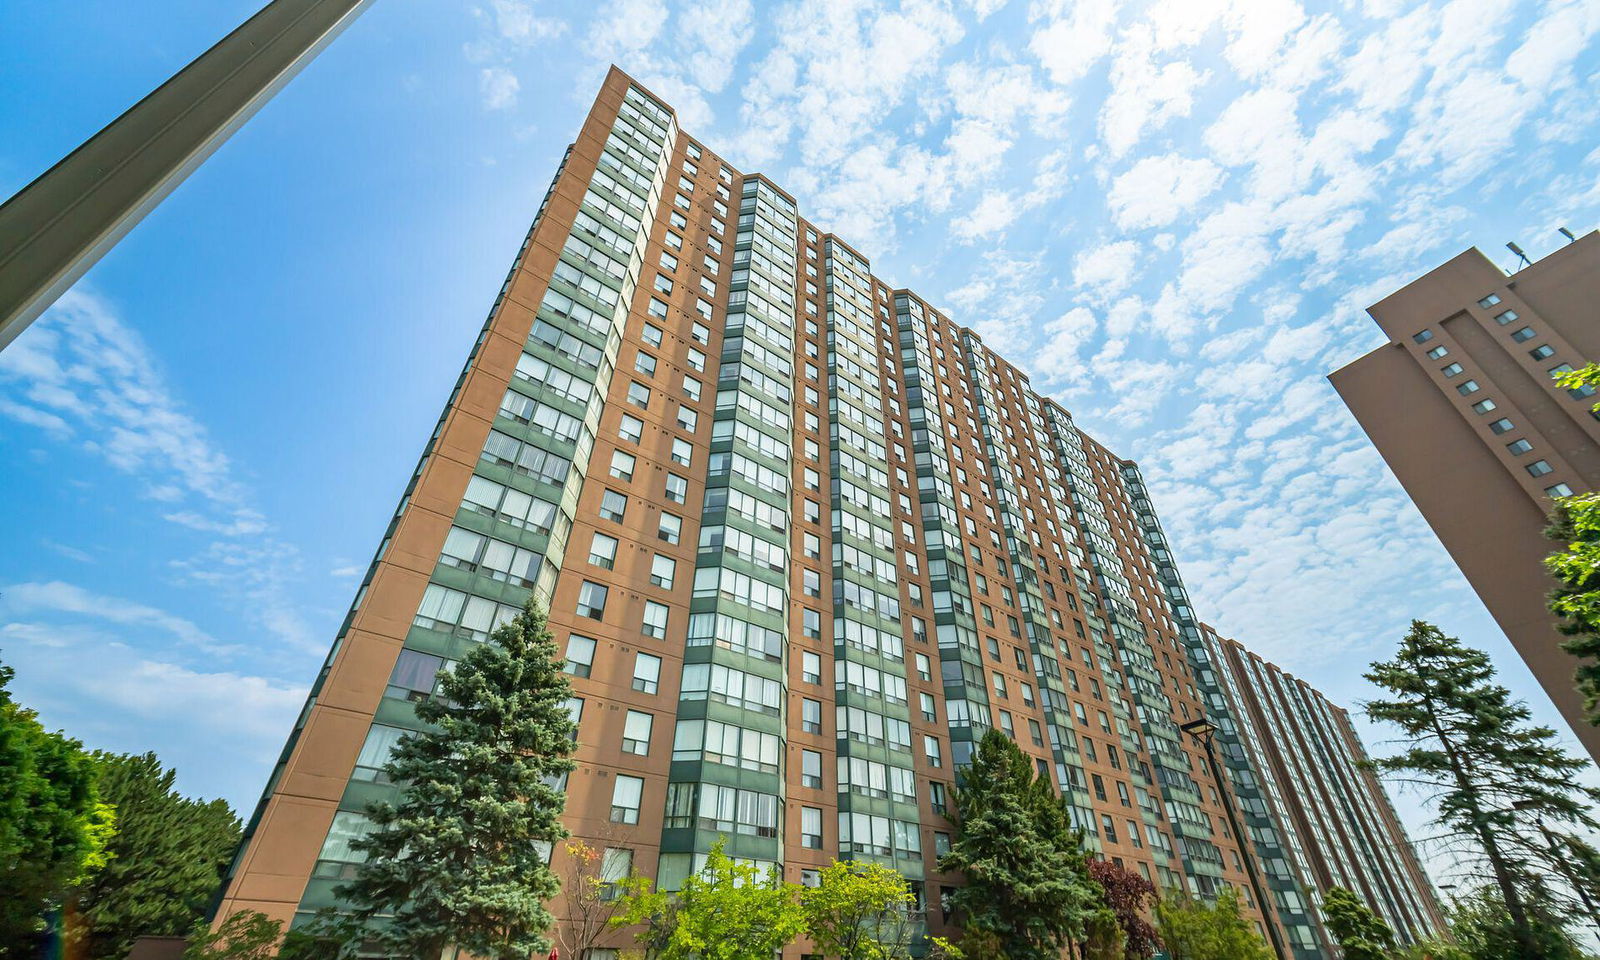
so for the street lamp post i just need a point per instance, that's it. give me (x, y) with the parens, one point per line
(54, 229)
(1203, 732)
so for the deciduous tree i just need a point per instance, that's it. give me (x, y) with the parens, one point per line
(53, 825)
(860, 911)
(164, 863)
(1575, 523)
(456, 862)
(1130, 899)
(1192, 929)
(1361, 934)
(727, 911)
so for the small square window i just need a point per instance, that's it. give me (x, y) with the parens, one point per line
(691, 386)
(682, 452)
(580, 656)
(1559, 490)
(1437, 352)
(630, 428)
(1423, 337)
(1505, 317)
(1542, 352)
(1519, 446)
(655, 620)
(810, 668)
(592, 600)
(699, 332)
(625, 796)
(1501, 426)
(1525, 333)
(688, 420)
(636, 733)
(1483, 406)
(646, 672)
(603, 551)
(1539, 468)
(613, 506)
(1467, 388)
(670, 528)
(1489, 301)
(622, 465)
(663, 284)
(1451, 369)
(677, 488)
(662, 571)
(639, 395)
(644, 363)
(658, 308)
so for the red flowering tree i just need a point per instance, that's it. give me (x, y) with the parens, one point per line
(1129, 897)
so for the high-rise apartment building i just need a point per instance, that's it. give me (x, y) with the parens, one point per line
(1462, 406)
(1337, 824)
(804, 540)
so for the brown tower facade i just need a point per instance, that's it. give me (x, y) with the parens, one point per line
(805, 539)
(1462, 405)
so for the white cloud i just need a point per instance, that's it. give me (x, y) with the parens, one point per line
(993, 212)
(1156, 190)
(1146, 93)
(1108, 269)
(499, 87)
(57, 597)
(1070, 36)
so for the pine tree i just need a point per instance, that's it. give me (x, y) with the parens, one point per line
(1361, 934)
(456, 861)
(1471, 749)
(1027, 879)
(164, 864)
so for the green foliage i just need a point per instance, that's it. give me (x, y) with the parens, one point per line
(165, 862)
(455, 862)
(1193, 929)
(53, 826)
(1484, 929)
(860, 911)
(1472, 750)
(1575, 523)
(1127, 897)
(728, 911)
(246, 935)
(1361, 934)
(1027, 879)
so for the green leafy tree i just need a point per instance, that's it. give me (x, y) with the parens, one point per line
(456, 861)
(1472, 750)
(164, 863)
(53, 825)
(1575, 523)
(246, 935)
(860, 911)
(1128, 900)
(1361, 934)
(1193, 929)
(1027, 878)
(727, 911)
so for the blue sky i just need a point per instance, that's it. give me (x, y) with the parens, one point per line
(1172, 214)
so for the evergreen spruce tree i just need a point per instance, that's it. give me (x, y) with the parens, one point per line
(1361, 934)
(1471, 749)
(1027, 879)
(456, 861)
(164, 863)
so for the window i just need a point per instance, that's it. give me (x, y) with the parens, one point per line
(1502, 425)
(1542, 352)
(1109, 826)
(1519, 446)
(1539, 468)
(811, 828)
(592, 600)
(1489, 301)
(1483, 406)
(622, 465)
(646, 672)
(1450, 370)
(662, 571)
(1467, 387)
(630, 428)
(689, 421)
(930, 749)
(654, 623)
(1526, 333)
(1437, 352)
(639, 394)
(936, 797)
(381, 741)
(625, 796)
(668, 262)
(615, 866)
(636, 733)
(691, 386)
(663, 284)
(580, 655)
(699, 332)
(653, 335)
(811, 583)
(414, 676)
(1509, 316)
(999, 686)
(1423, 337)
(613, 506)
(1559, 490)
(644, 363)
(924, 668)
(677, 488)
(682, 452)
(810, 715)
(669, 528)
(811, 769)
(810, 668)
(930, 709)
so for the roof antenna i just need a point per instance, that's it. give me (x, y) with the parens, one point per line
(1567, 233)
(1520, 255)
